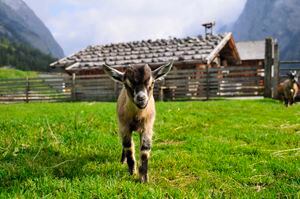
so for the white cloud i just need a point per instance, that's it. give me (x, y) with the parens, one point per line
(77, 24)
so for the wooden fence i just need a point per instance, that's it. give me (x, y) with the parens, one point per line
(233, 81)
(286, 66)
(55, 88)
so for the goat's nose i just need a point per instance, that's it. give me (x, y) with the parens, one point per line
(141, 97)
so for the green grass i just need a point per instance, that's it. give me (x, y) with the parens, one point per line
(14, 73)
(215, 149)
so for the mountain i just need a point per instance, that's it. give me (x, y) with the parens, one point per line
(19, 24)
(23, 56)
(279, 19)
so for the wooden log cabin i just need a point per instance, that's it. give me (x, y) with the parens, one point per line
(197, 53)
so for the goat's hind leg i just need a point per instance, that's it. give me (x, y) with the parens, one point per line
(128, 152)
(123, 157)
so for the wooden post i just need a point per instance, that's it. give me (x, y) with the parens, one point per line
(161, 86)
(27, 90)
(73, 90)
(115, 90)
(161, 94)
(276, 69)
(268, 67)
(207, 82)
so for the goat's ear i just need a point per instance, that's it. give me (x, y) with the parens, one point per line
(113, 73)
(162, 71)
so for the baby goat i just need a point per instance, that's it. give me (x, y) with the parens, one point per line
(136, 111)
(288, 89)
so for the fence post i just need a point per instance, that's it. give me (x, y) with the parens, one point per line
(276, 68)
(73, 90)
(207, 82)
(268, 67)
(161, 87)
(116, 90)
(27, 90)
(161, 94)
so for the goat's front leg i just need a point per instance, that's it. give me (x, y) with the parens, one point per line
(146, 141)
(128, 151)
(123, 158)
(286, 102)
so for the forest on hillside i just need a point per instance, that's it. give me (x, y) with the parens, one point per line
(23, 56)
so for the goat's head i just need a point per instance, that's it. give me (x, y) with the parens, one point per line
(292, 75)
(139, 81)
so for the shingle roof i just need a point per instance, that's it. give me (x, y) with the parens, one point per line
(251, 50)
(147, 51)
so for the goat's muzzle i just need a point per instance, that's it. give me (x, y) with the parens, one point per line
(141, 100)
(141, 104)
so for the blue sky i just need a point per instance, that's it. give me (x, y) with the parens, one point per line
(76, 24)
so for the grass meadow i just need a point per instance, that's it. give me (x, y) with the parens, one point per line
(214, 149)
(14, 73)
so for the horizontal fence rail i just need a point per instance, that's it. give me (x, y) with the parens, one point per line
(192, 84)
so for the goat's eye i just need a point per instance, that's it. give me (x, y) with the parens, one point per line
(150, 84)
(128, 82)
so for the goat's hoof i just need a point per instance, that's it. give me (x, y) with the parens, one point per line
(144, 178)
(123, 161)
(132, 172)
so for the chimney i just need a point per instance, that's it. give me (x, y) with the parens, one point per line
(209, 28)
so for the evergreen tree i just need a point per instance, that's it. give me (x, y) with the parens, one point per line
(23, 56)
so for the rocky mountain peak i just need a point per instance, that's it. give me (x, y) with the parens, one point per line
(279, 19)
(14, 4)
(20, 24)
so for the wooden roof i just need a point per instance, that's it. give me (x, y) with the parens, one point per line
(186, 50)
(251, 50)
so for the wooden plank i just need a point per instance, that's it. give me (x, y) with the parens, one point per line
(33, 91)
(230, 90)
(95, 94)
(184, 71)
(98, 76)
(275, 74)
(14, 96)
(290, 69)
(290, 62)
(73, 87)
(195, 77)
(48, 97)
(13, 80)
(87, 84)
(235, 74)
(236, 79)
(12, 84)
(96, 86)
(85, 92)
(99, 82)
(268, 66)
(235, 68)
